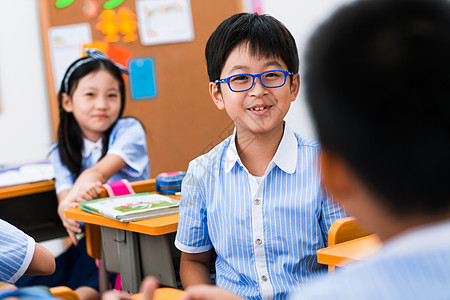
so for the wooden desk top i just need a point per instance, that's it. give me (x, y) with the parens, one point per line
(164, 294)
(27, 189)
(354, 250)
(155, 226)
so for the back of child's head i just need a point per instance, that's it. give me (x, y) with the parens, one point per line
(265, 36)
(378, 85)
(70, 140)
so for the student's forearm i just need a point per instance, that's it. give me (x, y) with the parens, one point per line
(89, 176)
(194, 273)
(194, 268)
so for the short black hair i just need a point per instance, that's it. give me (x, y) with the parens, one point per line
(378, 85)
(265, 36)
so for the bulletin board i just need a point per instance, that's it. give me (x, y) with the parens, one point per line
(178, 115)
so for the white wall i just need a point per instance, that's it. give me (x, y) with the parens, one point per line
(301, 17)
(25, 133)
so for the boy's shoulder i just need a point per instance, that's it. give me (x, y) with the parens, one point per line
(304, 141)
(214, 156)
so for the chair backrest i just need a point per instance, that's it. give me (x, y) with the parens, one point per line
(345, 229)
(64, 292)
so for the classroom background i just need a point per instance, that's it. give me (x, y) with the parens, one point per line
(25, 127)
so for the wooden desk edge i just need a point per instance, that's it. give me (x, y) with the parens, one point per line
(163, 294)
(158, 226)
(27, 189)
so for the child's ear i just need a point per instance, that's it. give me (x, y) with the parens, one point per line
(216, 95)
(337, 177)
(295, 86)
(67, 103)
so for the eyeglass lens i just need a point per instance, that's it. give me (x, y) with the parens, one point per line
(242, 82)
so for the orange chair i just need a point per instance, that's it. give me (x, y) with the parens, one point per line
(164, 294)
(64, 292)
(344, 230)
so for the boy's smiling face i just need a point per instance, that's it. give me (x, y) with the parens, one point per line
(259, 110)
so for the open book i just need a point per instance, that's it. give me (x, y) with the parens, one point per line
(133, 207)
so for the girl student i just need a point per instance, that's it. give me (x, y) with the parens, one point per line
(95, 145)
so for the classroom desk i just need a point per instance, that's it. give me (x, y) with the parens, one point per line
(32, 207)
(135, 249)
(343, 253)
(163, 294)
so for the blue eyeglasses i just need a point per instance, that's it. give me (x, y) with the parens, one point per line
(244, 82)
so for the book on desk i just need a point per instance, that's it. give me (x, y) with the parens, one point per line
(132, 207)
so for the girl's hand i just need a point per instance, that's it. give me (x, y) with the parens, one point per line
(72, 226)
(86, 191)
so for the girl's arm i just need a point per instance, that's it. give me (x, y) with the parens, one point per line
(87, 187)
(43, 262)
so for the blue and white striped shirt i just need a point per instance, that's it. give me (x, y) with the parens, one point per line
(265, 231)
(127, 140)
(415, 265)
(16, 252)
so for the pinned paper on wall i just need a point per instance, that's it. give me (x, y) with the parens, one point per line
(142, 78)
(162, 22)
(66, 46)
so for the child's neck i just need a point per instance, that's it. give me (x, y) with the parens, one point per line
(257, 150)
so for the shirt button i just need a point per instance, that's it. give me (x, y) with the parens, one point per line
(264, 278)
(259, 241)
(257, 202)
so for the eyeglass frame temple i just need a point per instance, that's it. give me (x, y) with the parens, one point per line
(227, 80)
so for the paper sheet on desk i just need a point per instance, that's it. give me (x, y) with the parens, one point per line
(27, 174)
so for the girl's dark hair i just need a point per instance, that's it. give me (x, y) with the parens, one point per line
(70, 141)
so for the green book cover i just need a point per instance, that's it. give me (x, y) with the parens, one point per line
(132, 207)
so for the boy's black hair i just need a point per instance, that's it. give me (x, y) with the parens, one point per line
(378, 85)
(265, 35)
(70, 141)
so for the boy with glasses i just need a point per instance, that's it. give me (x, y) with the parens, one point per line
(256, 199)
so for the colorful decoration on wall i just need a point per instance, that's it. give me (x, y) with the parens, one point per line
(112, 4)
(257, 7)
(63, 3)
(111, 24)
(116, 53)
(128, 24)
(109, 4)
(108, 26)
(90, 8)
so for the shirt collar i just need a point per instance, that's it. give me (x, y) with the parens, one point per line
(285, 157)
(90, 147)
